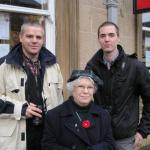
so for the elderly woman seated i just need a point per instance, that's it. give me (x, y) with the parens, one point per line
(78, 124)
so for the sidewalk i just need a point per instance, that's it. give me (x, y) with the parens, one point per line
(145, 148)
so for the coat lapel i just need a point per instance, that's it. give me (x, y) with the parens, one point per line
(72, 123)
(75, 127)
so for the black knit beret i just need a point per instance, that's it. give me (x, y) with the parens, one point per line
(87, 73)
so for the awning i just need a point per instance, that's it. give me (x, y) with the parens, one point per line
(140, 6)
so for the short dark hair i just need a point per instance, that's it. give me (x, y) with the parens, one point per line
(108, 23)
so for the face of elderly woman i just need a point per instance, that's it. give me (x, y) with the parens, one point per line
(83, 91)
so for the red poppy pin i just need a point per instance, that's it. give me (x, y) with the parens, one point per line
(86, 124)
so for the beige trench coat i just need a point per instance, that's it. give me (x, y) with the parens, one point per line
(13, 78)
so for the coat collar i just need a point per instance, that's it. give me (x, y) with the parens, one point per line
(15, 57)
(97, 60)
(70, 108)
(119, 57)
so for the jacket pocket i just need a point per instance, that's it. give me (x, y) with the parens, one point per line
(12, 91)
(7, 127)
(53, 93)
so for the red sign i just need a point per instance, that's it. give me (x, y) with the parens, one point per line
(140, 6)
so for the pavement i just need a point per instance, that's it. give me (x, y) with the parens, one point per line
(145, 148)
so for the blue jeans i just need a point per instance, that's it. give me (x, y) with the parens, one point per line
(125, 144)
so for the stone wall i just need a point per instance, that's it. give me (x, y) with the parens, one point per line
(91, 14)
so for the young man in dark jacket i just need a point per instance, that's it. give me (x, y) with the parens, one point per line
(125, 79)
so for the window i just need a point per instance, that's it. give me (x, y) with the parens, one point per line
(146, 38)
(13, 13)
(38, 4)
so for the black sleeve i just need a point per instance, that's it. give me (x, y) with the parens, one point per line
(49, 141)
(6, 107)
(24, 108)
(2, 59)
(143, 85)
(108, 142)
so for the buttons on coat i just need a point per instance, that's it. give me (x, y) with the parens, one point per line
(76, 127)
(88, 148)
(74, 146)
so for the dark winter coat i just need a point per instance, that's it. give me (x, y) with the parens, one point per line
(123, 84)
(63, 130)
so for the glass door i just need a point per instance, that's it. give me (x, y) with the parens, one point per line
(146, 38)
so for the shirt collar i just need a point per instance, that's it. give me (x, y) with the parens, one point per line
(110, 63)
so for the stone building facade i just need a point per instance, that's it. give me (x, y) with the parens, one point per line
(77, 22)
(71, 28)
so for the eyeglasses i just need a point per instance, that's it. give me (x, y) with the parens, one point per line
(82, 87)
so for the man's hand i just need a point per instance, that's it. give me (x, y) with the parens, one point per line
(138, 139)
(32, 110)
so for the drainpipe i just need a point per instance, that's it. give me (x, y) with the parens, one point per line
(112, 10)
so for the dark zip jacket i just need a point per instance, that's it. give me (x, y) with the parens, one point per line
(126, 80)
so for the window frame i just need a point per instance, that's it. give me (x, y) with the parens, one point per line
(48, 14)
